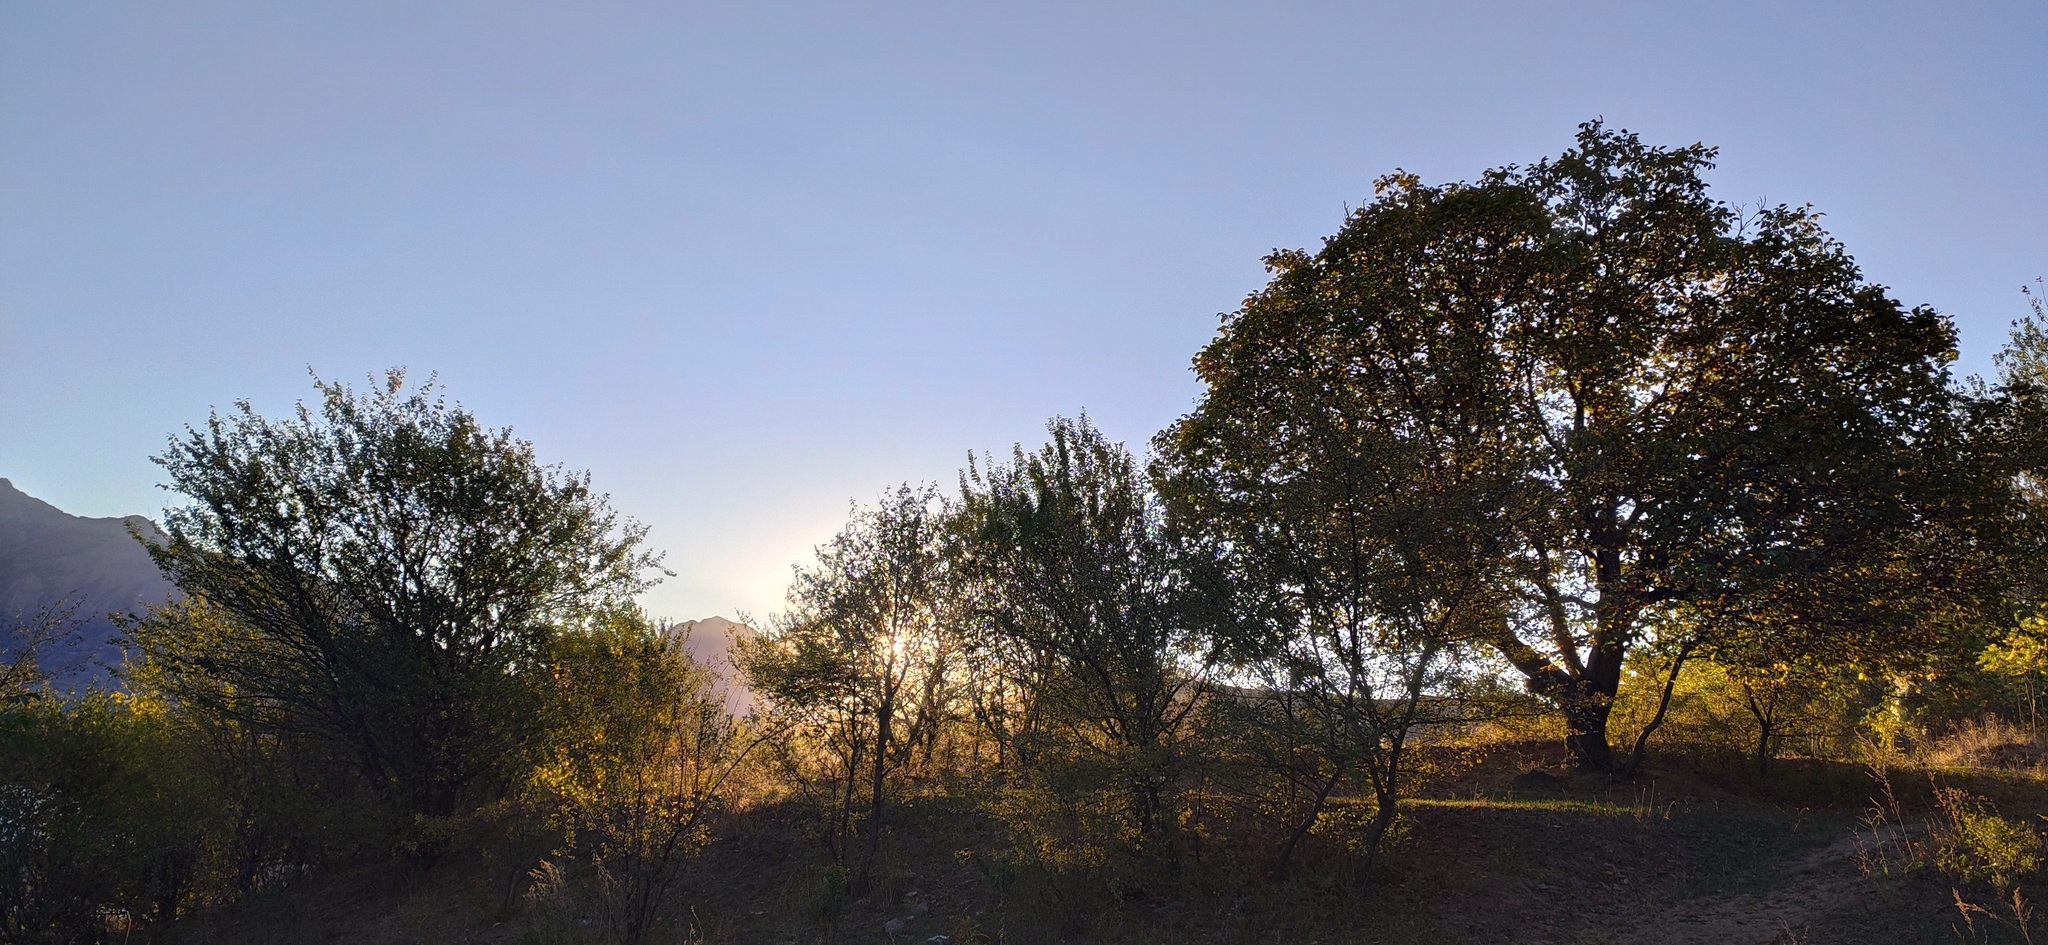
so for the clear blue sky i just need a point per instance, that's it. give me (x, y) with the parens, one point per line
(748, 263)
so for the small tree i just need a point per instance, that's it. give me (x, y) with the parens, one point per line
(284, 804)
(1080, 585)
(1363, 514)
(859, 668)
(395, 567)
(30, 640)
(2021, 655)
(639, 761)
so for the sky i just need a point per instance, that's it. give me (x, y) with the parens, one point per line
(750, 263)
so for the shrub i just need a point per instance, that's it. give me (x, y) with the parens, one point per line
(102, 817)
(1972, 843)
(639, 761)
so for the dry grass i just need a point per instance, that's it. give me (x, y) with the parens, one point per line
(1988, 744)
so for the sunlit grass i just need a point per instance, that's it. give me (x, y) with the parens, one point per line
(1550, 804)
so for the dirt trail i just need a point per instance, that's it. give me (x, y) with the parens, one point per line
(1814, 886)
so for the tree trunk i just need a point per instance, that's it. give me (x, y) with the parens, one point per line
(1143, 771)
(1764, 711)
(1388, 805)
(1635, 755)
(1585, 739)
(1294, 836)
(1763, 747)
(2033, 712)
(1144, 808)
(845, 831)
(885, 717)
(1586, 696)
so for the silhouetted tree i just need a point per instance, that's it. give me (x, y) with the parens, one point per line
(391, 567)
(1078, 578)
(859, 665)
(1696, 404)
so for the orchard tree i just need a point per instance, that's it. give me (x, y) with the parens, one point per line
(1693, 403)
(392, 569)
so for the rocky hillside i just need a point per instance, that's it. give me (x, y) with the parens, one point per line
(50, 558)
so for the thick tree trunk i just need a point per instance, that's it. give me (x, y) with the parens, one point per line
(1585, 694)
(1585, 737)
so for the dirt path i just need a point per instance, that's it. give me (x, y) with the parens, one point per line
(1813, 886)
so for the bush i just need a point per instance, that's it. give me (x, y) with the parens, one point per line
(284, 802)
(1972, 843)
(103, 817)
(639, 761)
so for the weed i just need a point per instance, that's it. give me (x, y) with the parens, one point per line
(555, 913)
(1987, 743)
(1966, 841)
(1973, 843)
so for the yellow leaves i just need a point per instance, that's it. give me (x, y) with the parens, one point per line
(2023, 651)
(143, 705)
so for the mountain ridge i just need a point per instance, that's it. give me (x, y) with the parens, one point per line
(51, 559)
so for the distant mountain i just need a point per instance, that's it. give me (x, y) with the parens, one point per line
(709, 642)
(49, 557)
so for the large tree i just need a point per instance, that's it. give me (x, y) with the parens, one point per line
(391, 567)
(1697, 404)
